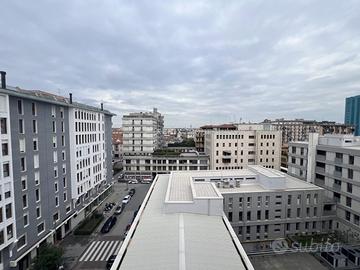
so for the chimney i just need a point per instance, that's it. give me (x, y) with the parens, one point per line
(70, 97)
(3, 79)
(102, 106)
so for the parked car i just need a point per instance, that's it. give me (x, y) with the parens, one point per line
(145, 181)
(118, 210)
(126, 199)
(109, 223)
(133, 181)
(132, 192)
(108, 207)
(110, 261)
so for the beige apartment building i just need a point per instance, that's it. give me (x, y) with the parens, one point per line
(248, 145)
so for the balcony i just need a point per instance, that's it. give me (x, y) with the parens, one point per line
(226, 159)
(226, 153)
(337, 187)
(320, 170)
(337, 174)
(338, 160)
(320, 157)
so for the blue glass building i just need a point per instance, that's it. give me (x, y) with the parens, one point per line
(352, 113)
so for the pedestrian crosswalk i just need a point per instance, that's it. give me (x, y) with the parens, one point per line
(100, 251)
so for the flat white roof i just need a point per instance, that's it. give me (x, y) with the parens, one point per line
(181, 241)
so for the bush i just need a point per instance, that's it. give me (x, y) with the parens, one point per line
(89, 224)
(49, 258)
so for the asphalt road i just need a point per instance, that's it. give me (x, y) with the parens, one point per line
(101, 246)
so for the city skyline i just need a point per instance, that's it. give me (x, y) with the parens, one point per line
(198, 63)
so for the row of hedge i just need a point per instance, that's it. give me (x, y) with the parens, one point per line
(88, 225)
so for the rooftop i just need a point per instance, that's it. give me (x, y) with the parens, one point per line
(43, 96)
(181, 239)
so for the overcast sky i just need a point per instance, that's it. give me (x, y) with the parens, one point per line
(198, 62)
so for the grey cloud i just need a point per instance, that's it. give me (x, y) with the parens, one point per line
(199, 62)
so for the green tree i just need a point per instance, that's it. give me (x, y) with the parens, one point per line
(49, 258)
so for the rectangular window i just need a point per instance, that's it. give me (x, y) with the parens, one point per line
(20, 107)
(6, 170)
(54, 141)
(21, 242)
(53, 111)
(55, 158)
(37, 178)
(56, 217)
(8, 211)
(26, 219)
(23, 183)
(9, 231)
(23, 164)
(37, 195)
(33, 109)
(35, 144)
(24, 201)
(36, 161)
(3, 122)
(22, 145)
(5, 149)
(53, 126)
(34, 126)
(21, 126)
(41, 228)
(38, 212)
(65, 196)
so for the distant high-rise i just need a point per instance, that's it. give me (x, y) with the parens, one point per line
(352, 112)
(142, 132)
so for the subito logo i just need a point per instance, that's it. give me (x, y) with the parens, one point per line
(279, 246)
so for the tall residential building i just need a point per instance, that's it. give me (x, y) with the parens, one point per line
(56, 166)
(332, 162)
(352, 113)
(142, 132)
(200, 134)
(299, 129)
(252, 144)
(181, 225)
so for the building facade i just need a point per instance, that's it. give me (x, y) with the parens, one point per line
(352, 113)
(117, 143)
(248, 145)
(332, 162)
(56, 157)
(200, 134)
(264, 204)
(142, 132)
(299, 129)
(147, 167)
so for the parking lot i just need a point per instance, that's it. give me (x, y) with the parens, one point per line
(93, 251)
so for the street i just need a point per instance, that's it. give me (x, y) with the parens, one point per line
(92, 252)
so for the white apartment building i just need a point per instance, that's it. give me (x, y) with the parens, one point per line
(332, 162)
(142, 132)
(7, 204)
(87, 152)
(248, 145)
(264, 204)
(56, 168)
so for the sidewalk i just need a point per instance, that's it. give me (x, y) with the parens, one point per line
(75, 245)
